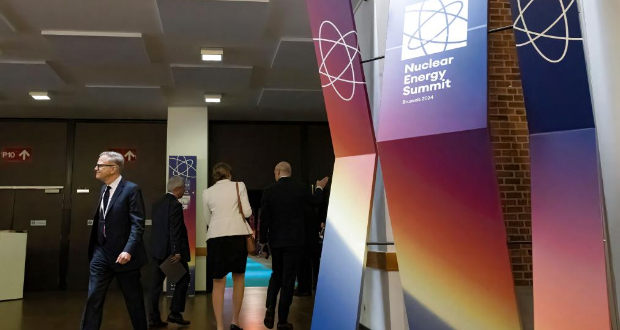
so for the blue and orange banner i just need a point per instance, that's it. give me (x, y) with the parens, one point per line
(343, 259)
(185, 166)
(437, 163)
(570, 277)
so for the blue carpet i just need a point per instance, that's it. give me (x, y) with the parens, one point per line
(256, 275)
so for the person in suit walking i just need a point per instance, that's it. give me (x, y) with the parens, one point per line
(169, 240)
(116, 249)
(283, 226)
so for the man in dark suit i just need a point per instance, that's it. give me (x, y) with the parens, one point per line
(283, 226)
(169, 240)
(116, 248)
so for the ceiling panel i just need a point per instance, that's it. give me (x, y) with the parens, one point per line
(286, 78)
(290, 18)
(291, 99)
(218, 22)
(295, 54)
(133, 43)
(244, 99)
(144, 97)
(98, 50)
(212, 79)
(130, 75)
(28, 75)
(6, 27)
(108, 15)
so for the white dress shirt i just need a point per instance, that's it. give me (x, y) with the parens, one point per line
(222, 211)
(113, 187)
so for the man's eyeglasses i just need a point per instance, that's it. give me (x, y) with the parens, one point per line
(99, 166)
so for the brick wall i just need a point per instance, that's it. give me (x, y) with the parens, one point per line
(509, 133)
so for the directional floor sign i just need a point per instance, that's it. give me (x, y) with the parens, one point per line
(131, 155)
(16, 155)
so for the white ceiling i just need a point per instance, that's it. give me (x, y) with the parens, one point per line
(132, 59)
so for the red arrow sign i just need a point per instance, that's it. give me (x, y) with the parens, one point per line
(130, 155)
(16, 155)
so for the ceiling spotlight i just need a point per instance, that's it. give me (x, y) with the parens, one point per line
(40, 96)
(213, 98)
(212, 54)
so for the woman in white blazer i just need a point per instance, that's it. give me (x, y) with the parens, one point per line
(226, 239)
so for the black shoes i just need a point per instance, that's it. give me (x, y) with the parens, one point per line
(177, 318)
(235, 327)
(286, 326)
(154, 324)
(270, 316)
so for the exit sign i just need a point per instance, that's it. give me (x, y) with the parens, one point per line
(130, 155)
(16, 155)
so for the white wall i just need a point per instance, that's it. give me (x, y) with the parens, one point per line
(601, 31)
(188, 136)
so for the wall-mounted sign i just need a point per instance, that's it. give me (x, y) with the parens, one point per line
(38, 223)
(16, 155)
(130, 155)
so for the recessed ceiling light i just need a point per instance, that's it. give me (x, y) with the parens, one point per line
(40, 96)
(213, 98)
(212, 54)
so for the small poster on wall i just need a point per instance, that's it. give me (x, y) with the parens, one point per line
(185, 166)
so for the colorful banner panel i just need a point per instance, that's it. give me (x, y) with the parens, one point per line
(552, 63)
(342, 77)
(435, 69)
(185, 166)
(338, 294)
(570, 284)
(344, 247)
(437, 163)
(567, 224)
(450, 238)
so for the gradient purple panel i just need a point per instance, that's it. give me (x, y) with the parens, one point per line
(338, 296)
(463, 105)
(342, 77)
(570, 286)
(447, 222)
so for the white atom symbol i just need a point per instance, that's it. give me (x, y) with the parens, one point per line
(347, 55)
(521, 25)
(434, 26)
(183, 167)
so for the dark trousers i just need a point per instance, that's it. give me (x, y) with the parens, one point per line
(308, 271)
(100, 277)
(284, 263)
(180, 290)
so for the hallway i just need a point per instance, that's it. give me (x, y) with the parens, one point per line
(62, 310)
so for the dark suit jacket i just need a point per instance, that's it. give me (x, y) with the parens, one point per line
(168, 234)
(282, 220)
(124, 225)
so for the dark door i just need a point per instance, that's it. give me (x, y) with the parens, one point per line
(7, 199)
(46, 166)
(40, 214)
(149, 172)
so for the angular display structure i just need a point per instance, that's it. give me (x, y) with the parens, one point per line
(570, 285)
(185, 167)
(437, 163)
(338, 296)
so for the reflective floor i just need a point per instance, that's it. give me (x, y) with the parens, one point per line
(62, 310)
